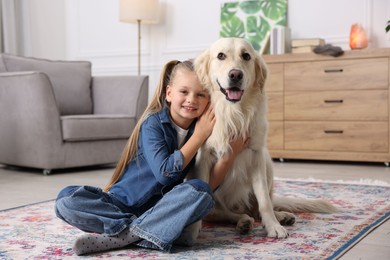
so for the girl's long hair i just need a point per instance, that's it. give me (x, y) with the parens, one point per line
(157, 103)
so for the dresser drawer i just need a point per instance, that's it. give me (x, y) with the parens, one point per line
(337, 105)
(275, 77)
(336, 136)
(337, 74)
(275, 106)
(275, 135)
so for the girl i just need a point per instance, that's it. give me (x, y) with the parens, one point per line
(146, 201)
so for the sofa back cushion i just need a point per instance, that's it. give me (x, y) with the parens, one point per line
(71, 81)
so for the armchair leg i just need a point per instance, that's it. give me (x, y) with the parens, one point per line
(46, 172)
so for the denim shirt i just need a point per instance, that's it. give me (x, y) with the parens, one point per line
(157, 166)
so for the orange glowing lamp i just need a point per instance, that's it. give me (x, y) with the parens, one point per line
(358, 37)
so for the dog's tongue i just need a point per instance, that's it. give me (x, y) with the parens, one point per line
(234, 93)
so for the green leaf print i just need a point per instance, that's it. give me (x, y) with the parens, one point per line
(250, 6)
(257, 28)
(274, 9)
(282, 21)
(252, 19)
(233, 28)
(228, 10)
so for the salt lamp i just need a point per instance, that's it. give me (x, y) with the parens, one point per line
(358, 37)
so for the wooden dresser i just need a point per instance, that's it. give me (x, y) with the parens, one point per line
(327, 108)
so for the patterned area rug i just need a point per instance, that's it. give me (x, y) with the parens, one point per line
(33, 231)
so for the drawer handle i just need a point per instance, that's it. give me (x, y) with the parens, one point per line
(333, 70)
(333, 131)
(334, 101)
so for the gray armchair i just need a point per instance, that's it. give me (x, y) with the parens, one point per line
(54, 114)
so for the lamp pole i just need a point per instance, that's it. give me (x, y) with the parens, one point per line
(139, 46)
(137, 11)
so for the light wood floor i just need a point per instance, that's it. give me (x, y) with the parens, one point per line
(23, 186)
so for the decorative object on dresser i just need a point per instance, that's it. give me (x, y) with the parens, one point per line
(328, 49)
(280, 41)
(327, 108)
(358, 37)
(306, 45)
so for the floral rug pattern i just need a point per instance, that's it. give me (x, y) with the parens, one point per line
(34, 232)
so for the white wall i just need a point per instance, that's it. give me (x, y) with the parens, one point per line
(90, 30)
(46, 20)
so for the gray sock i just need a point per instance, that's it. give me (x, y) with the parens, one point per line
(94, 243)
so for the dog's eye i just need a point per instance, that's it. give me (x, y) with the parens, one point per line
(221, 56)
(246, 56)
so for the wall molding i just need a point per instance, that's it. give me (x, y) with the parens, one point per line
(124, 70)
(97, 54)
(368, 18)
(184, 50)
(74, 37)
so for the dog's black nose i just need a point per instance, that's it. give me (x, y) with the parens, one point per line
(235, 75)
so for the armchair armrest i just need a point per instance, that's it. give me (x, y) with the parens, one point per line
(28, 115)
(120, 95)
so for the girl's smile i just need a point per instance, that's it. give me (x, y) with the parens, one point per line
(190, 108)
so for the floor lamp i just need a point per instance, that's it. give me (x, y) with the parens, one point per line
(139, 11)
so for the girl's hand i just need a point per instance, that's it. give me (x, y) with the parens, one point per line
(221, 168)
(203, 128)
(205, 124)
(237, 146)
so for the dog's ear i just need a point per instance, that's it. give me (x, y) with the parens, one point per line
(201, 65)
(261, 72)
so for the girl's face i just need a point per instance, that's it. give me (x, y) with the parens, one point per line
(187, 97)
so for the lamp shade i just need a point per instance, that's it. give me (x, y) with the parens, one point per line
(145, 11)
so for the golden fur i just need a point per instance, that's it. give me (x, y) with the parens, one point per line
(235, 74)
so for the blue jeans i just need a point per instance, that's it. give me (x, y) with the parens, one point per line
(92, 210)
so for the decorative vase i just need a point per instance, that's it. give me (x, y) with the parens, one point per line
(358, 37)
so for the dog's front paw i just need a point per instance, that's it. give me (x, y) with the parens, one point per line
(285, 218)
(277, 231)
(245, 224)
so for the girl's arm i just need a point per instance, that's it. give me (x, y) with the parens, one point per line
(203, 128)
(166, 166)
(221, 168)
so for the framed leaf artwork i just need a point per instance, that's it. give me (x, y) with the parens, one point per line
(252, 19)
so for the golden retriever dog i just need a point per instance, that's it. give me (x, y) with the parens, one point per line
(234, 74)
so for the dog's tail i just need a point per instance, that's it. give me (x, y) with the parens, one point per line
(298, 205)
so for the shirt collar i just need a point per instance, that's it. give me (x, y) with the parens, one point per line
(164, 114)
(165, 118)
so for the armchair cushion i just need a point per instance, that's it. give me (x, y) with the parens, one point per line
(96, 127)
(71, 80)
